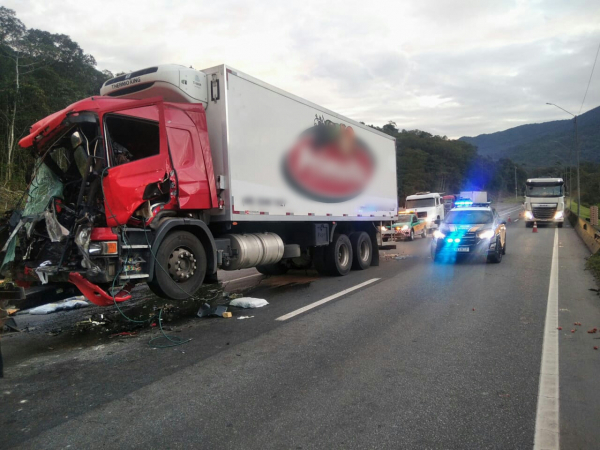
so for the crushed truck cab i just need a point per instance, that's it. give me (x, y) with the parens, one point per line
(173, 173)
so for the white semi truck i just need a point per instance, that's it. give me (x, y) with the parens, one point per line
(173, 173)
(428, 206)
(544, 201)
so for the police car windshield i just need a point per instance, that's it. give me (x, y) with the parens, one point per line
(469, 217)
(420, 203)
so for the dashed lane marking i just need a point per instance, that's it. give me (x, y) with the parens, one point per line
(325, 300)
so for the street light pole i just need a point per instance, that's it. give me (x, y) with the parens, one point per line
(515, 182)
(577, 151)
(569, 174)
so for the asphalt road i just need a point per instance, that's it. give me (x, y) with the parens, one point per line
(423, 356)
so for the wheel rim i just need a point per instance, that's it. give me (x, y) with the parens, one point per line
(182, 264)
(364, 251)
(343, 255)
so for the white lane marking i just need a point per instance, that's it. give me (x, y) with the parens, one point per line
(243, 278)
(325, 300)
(546, 422)
(503, 213)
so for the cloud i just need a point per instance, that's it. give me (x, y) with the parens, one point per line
(455, 68)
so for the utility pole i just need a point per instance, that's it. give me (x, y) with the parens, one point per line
(515, 182)
(577, 151)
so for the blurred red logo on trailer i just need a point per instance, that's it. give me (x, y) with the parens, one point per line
(329, 163)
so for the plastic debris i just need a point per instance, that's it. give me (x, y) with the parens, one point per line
(577, 323)
(559, 328)
(227, 315)
(68, 304)
(205, 310)
(245, 317)
(249, 302)
(593, 330)
(573, 331)
(595, 347)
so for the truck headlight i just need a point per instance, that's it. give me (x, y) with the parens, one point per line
(559, 215)
(405, 228)
(438, 234)
(103, 248)
(383, 228)
(528, 215)
(486, 234)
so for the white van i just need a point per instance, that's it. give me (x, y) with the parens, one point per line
(426, 205)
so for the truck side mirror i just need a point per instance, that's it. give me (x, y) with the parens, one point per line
(437, 221)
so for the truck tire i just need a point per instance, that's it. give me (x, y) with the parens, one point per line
(362, 249)
(180, 266)
(528, 224)
(272, 269)
(334, 259)
(560, 224)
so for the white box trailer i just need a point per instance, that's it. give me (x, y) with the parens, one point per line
(297, 184)
(256, 132)
(475, 196)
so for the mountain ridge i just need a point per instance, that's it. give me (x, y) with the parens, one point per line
(543, 144)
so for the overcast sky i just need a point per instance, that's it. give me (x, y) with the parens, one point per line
(450, 67)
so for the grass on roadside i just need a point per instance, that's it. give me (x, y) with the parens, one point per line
(593, 265)
(585, 211)
(510, 200)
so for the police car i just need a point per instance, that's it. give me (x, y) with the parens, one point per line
(470, 229)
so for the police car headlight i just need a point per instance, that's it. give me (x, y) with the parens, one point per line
(438, 234)
(486, 234)
(405, 228)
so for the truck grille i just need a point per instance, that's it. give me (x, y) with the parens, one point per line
(544, 213)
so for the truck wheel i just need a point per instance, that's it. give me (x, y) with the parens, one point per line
(334, 259)
(272, 269)
(179, 266)
(559, 224)
(412, 235)
(528, 224)
(362, 250)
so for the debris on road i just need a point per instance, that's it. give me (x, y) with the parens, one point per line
(227, 315)
(593, 330)
(595, 347)
(124, 334)
(577, 323)
(206, 310)
(249, 302)
(66, 305)
(573, 331)
(245, 317)
(559, 328)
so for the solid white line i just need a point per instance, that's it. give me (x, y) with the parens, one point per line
(325, 300)
(546, 422)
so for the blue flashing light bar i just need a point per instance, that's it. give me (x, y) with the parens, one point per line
(461, 203)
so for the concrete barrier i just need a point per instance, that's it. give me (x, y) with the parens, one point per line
(586, 231)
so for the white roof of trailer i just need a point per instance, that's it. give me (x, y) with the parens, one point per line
(428, 195)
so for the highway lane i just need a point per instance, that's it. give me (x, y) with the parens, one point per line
(426, 356)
